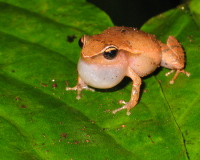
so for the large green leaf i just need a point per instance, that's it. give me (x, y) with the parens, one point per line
(183, 97)
(40, 120)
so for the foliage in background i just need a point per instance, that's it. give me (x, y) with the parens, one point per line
(40, 120)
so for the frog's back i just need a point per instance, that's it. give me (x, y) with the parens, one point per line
(143, 48)
(139, 44)
(130, 39)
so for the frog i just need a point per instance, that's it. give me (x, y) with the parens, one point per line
(119, 52)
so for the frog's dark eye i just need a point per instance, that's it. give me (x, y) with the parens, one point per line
(110, 53)
(80, 42)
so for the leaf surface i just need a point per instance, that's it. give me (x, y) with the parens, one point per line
(40, 120)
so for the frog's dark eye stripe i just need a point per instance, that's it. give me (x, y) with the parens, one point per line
(110, 53)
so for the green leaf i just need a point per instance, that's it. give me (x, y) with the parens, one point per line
(183, 97)
(194, 7)
(39, 119)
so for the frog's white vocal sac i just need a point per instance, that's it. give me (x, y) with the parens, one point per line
(117, 52)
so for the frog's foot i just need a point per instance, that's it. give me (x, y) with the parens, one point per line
(79, 88)
(176, 74)
(128, 106)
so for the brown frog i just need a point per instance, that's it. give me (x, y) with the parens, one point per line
(117, 52)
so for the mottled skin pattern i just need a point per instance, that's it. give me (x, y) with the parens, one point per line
(117, 52)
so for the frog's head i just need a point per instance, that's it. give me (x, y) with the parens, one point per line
(102, 65)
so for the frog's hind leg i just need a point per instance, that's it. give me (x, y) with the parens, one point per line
(173, 57)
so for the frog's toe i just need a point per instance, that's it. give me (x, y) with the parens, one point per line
(177, 73)
(122, 102)
(119, 109)
(128, 106)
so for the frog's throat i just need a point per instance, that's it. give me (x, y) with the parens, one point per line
(101, 76)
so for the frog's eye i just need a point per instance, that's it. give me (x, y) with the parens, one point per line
(110, 53)
(80, 42)
(83, 40)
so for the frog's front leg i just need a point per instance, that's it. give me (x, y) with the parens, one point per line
(173, 57)
(79, 87)
(134, 93)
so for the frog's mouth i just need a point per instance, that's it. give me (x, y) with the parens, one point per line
(101, 76)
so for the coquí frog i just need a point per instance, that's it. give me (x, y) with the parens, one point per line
(117, 52)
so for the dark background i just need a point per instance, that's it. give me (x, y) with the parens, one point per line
(134, 13)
